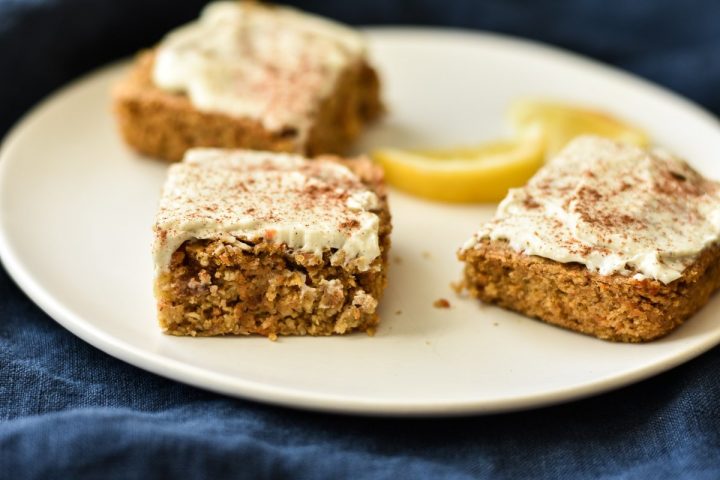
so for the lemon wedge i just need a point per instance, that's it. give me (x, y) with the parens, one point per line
(482, 173)
(561, 122)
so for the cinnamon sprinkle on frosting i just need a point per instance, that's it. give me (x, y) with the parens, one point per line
(241, 195)
(269, 63)
(614, 208)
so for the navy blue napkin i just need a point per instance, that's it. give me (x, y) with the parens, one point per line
(68, 410)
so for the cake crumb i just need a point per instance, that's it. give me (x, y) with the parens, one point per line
(272, 337)
(441, 303)
(398, 312)
(370, 332)
(397, 260)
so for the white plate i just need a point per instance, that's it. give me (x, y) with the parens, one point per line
(76, 209)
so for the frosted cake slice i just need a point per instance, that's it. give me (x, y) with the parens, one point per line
(251, 242)
(250, 75)
(607, 239)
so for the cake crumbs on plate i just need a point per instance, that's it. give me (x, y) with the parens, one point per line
(441, 303)
(458, 287)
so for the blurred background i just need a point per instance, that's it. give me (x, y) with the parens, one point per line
(45, 43)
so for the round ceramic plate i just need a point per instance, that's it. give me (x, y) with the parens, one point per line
(76, 207)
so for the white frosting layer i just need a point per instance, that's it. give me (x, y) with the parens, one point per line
(237, 195)
(272, 64)
(614, 208)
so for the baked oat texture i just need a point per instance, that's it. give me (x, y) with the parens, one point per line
(164, 125)
(613, 307)
(218, 287)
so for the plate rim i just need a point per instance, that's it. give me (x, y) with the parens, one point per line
(275, 395)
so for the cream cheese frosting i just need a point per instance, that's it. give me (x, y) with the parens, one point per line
(242, 195)
(614, 208)
(269, 63)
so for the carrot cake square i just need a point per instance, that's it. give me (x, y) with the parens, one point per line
(251, 242)
(249, 75)
(607, 239)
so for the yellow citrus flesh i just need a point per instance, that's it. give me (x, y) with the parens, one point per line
(560, 123)
(475, 174)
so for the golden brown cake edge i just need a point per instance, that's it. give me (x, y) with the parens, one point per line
(611, 307)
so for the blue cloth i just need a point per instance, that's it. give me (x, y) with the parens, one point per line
(68, 410)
